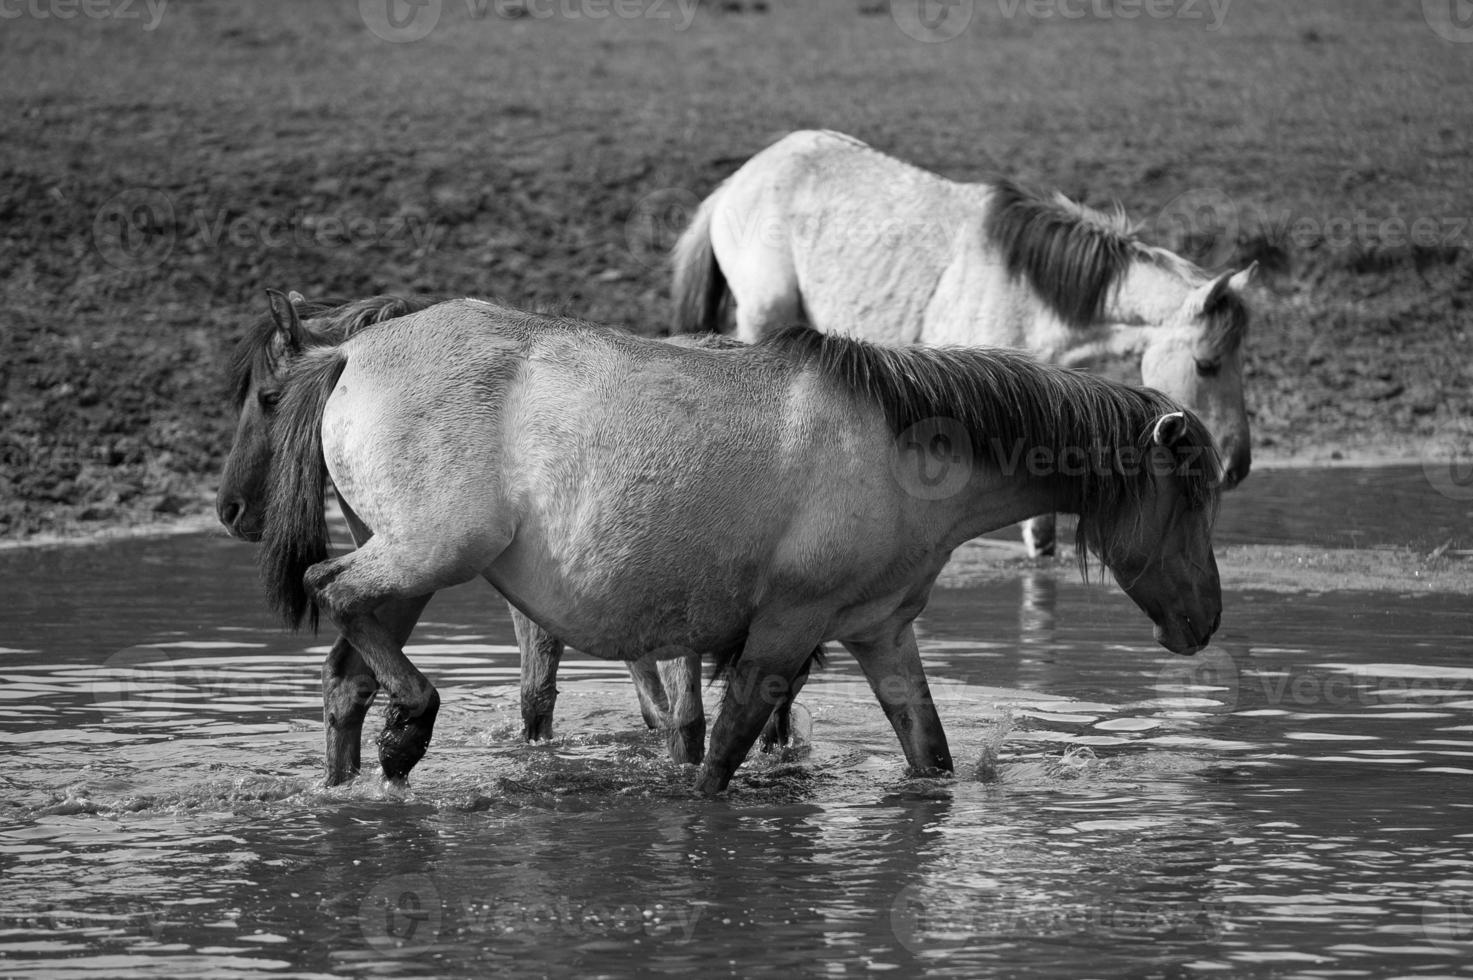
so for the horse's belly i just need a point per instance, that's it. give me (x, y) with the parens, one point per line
(625, 610)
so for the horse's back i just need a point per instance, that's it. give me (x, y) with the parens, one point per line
(861, 240)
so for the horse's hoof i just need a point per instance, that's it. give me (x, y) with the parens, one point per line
(339, 778)
(537, 729)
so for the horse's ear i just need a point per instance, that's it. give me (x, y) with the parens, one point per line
(288, 324)
(1169, 429)
(1225, 285)
(1242, 278)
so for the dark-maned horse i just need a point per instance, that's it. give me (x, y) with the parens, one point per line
(641, 499)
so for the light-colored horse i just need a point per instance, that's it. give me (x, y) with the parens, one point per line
(820, 228)
(640, 499)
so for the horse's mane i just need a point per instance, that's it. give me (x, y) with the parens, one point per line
(1012, 405)
(329, 321)
(1072, 256)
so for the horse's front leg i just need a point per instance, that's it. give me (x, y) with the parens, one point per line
(348, 688)
(1038, 536)
(541, 654)
(760, 680)
(892, 664)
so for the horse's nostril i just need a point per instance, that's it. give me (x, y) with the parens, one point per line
(230, 512)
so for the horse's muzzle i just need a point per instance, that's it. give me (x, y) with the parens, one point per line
(238, 521)
(1187, 638)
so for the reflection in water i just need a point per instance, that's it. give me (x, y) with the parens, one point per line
(1292, 802)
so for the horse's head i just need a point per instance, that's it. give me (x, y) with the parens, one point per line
(1196, 357)
(260, 360)
(1158, 542)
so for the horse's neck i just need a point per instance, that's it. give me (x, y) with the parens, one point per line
(1001, 492)
(1148, 296)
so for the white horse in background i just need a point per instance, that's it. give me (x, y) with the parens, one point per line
(822, 229)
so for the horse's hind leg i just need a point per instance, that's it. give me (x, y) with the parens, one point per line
(892, 665)
(686, 736)
(349, 589)
(779, 729)
(541, 654)
(670, 701)
(653, 708)
(1038, 535)
(348, 688)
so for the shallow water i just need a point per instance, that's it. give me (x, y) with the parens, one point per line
(1295, 801)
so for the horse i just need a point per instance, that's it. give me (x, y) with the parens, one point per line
(643, 500)
(669, 693)
(820, 228)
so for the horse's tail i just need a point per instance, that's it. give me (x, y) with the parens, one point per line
(295, 538)
(698, 289)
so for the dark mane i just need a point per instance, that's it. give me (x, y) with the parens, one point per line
(329, 322)
(1012, 405)
(1072, 256)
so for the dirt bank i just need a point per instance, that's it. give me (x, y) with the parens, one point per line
(154, 183)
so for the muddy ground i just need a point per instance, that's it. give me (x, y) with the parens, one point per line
(157, 176)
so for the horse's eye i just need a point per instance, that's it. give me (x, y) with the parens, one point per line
(268, 399)
(1208, 369)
